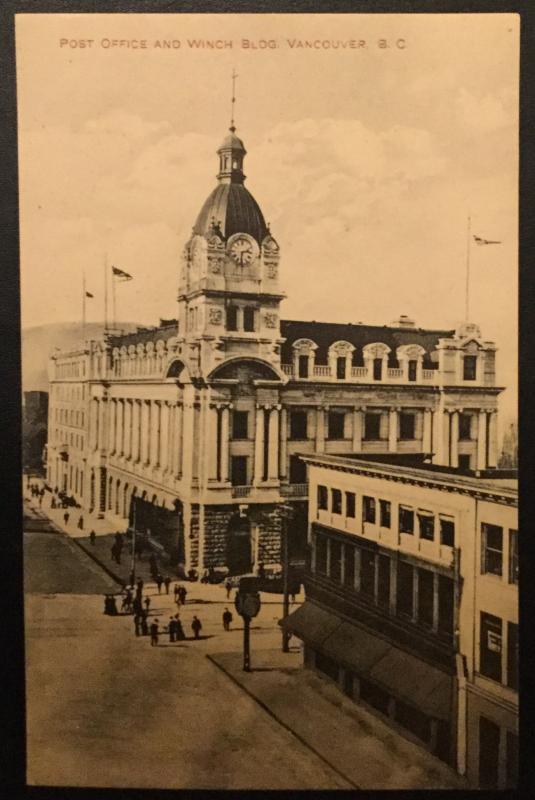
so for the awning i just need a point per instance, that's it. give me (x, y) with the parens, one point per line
(311, 623)
(403, 675)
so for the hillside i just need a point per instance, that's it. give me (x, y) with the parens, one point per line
(39, 342)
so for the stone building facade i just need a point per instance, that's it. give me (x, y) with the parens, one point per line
(412, 604)
(201, 419)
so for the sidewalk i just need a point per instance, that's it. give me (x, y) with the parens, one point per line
(359, 746)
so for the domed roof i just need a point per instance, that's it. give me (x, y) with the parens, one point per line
(232, 141)
(235, 210)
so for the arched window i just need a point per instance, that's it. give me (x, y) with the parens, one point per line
(340, 356)
(304, 354)
(376, 359)
(410, 358)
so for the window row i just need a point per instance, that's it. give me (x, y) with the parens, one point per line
(496, 662)
(69, 417)
(378, 511)
(493, 542)
(421, 595)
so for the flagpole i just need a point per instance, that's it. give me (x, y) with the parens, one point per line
(83, 307)
(113, 319)
(467, 297)
(105, 294)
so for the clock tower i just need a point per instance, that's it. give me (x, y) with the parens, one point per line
(229, 293)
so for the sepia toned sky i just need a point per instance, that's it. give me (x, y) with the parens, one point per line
(366, 160)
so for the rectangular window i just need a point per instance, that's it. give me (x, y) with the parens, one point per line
(367, 572)
(336, 425)
(383, 581)
(492, 549)
(368, 509)
(248, 318)
(350, 504)
(511, 761)
(406, 426)
(447, 532)
(238, 470)
(239, 424)
(322, 498)
(321, 554)
(406, 520)
(298, 425)
(336, 561)
(445, 604)
(303, 366)
(405, 588)
(490, 646)
(465, 427)
(427, 526)
(464, 462)
(384, 513)
(489, 753)
(349, 566)
(372, 427)
(413, 370)
(469, 368)
(513, 556)
(336, 501)
(232, 318)
(512, 656)
(377, 369)
(341, 368)
(425, 597)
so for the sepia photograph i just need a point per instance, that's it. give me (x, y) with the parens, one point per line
(269, 302)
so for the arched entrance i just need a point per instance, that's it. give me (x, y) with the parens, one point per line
(239, 551)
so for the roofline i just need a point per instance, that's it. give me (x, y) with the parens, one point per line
(404, 474)
(366, 325)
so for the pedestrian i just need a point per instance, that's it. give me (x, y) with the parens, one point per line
(113, 606)
(180, 635)
(144, 625)
(132, 578)
(53, 502)
(92, 537)
(154, 630)
(106, 604)
(167, 583)
(228, 587)
(227, 619)
(66, 517)
(176, 592)
(139, 585)
(40, 500)
(81, 522)
(137, 606)
(196, 626)
(172, 629)
(159, 581)
(137, 624)
(147, 603)
(183, 594)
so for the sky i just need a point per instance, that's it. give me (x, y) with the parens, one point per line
(367, 160)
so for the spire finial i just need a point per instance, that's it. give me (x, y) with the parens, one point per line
(233, 100)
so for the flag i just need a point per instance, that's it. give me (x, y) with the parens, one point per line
(480, 241)
(88, 294)
(121, 274)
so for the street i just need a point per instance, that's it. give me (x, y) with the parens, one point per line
(104, 708)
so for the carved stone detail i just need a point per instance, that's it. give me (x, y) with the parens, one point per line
(271, 320)
(215, 315)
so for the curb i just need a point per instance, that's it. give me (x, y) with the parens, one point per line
(284, 724)
(93, 557)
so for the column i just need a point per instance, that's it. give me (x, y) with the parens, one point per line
(225, 429)
(427, 430)
(357, 430)
(259, 446)
(128, 429)
(454, 439)
(172, 459)
(482, 440)
(445, 439)
(164, 436)
(393, 430)
(320, 429)
(283, 449)
(113, 411)
(213, 444)
(136, 413)
(144, 431)
(156, 424)
(101, 424)
(273, 437)
(493, 439)
(94, 422)
(179, 438)
(150, 432)
(120, 427)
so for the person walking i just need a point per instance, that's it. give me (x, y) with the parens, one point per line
(159, 581)
(81, 522)
(172, 629)
(180, 635)
(147, 604)
(183, 594)
(137, 624)
(92, 538)
(140, 584)
(228, 587)
(66, 517)
(196, 626)
(144, 625)
(227, 619)
(176, 590)
(154, 631)
(167, 583)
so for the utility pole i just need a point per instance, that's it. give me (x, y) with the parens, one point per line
(287, 511)
(134, 542)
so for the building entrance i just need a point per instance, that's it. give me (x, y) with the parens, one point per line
(239, 551)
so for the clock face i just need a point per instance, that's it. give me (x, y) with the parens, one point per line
(241, 250)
